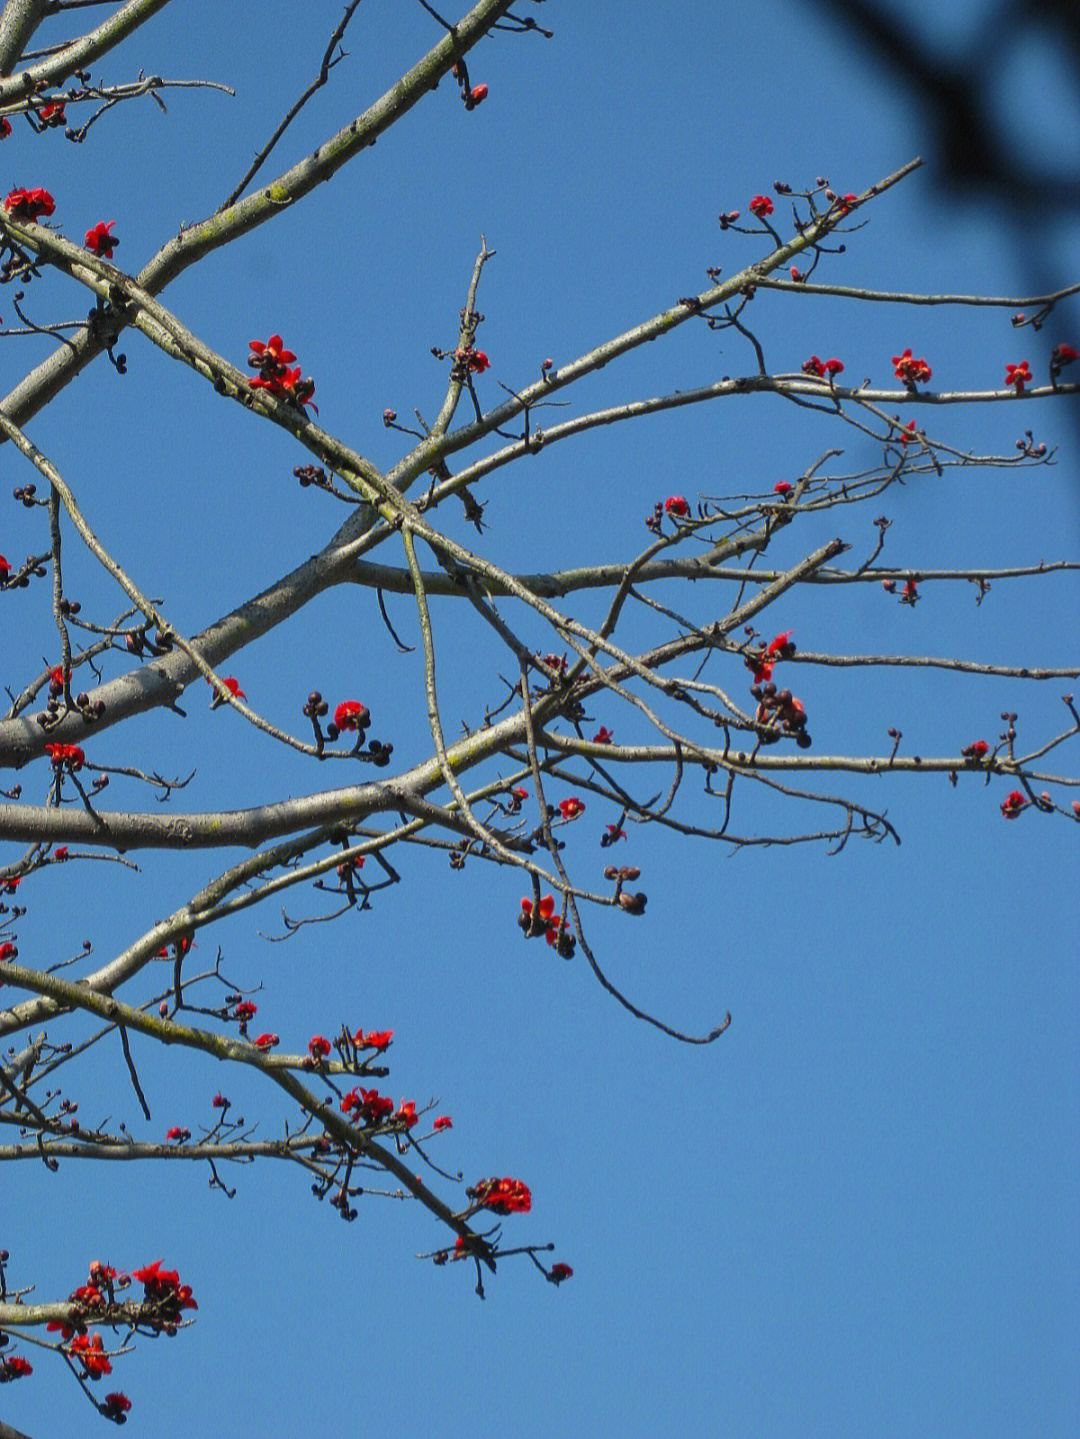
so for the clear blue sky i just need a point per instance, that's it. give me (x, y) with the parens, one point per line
(857, 1213)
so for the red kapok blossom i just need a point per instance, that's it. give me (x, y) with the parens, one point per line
(29, 205)
(267, 1041)
(833, 367)
(478, 360)
(478, 93)
(612, 832)
(443, 1122)
(8, 951)
(116, 1404)
(814, 366)
(53, 114)
(602, 736)
(545, 910)
(1060, 356)
(909, 369)
(271, 357)
(245, 1010)
(65, 756)
(979, 749)
(15, 1367)
(781, 645)
(90, 1352)
(1014, 804)
(761, 206)
(676, 505)
(376, 1039)
(783, 489)
(571, 808)
(406, 1113)
(230, 683)
(352, 715)
(5, 127)
(559, 1272)
(177, 1134)
(318, 1047)
(907, 432)
(1018, 375)
(502, 1196)
(220, 1102)
(100, 242)
(60, 853)
(5, 568)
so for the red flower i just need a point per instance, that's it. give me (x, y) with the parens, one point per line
(8, 951)
(911, 593)
(5, 568)
(1061, 356)
(559, 1272)
(443, 1122)
(833, 367)
(761, 206)
(60, 853)
(267, 1041)
(478, 93)
(406, 1113)
(978, 750)
(352, 715)
(378, 1040)
(1013, 804)
(100, 242)
(220, 1102)
(5, 127)
(29, 205)
(178, 1135)
(545, 910)
(318, 1047)
(602, 736)
(68, 756)
(15, 1367)
(612, 833)
(1018, 375)
(52, 114)
(571, 808)
(271, 358)
(368, 1104)
(781, 645)
(814, 366)
(907, 432)
(116, 1404)
(910, 370)
(676, 505)
(90, 1353)
(245, 1010)
(232, 685)
(502, 1196)
(763, 670)
(478, 360)
(783, 489)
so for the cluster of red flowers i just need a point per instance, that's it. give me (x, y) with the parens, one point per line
(501, 1196)
(475, 361)
(245, 1010)
(100, 241)
(761, 206)
(90, 1352)
(555, 930)
(780, 647)
(910, 370)
(14, 1367)
(367, 1105)
(162, 1288)
(1014, 804)
(824, 369)
(1018, 376)
(53, 114)
(272, 360)
(676, 506)
(29, 205)
(65, 756)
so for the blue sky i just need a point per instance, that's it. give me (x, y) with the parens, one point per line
(855, 1214)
